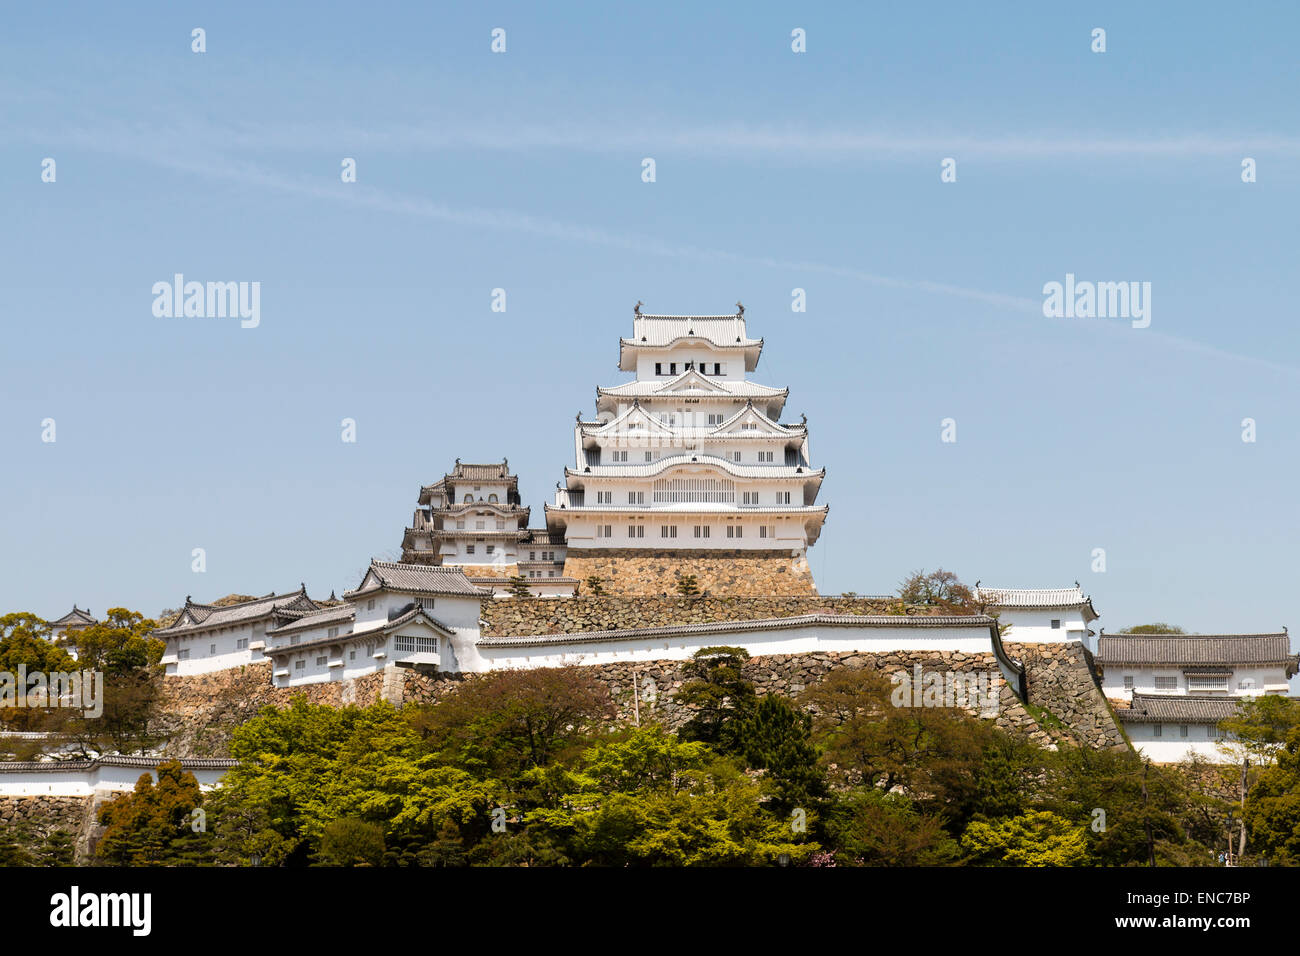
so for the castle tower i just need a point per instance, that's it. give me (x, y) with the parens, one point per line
(687, 469)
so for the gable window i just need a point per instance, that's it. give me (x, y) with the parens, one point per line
(370, 605)
(690, 366)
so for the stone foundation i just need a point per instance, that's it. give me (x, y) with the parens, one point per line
(519, 617)
(631, 571)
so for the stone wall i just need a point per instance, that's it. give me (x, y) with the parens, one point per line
(511, 617)
(1061, 681)
(732, 572)
(199, 712)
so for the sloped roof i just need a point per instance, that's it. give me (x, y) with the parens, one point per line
(74, 618)
(423, 578)
(1196, 649)
(207, 616)
(1038, 598)
(339, 612)
(1178, 709)
(652, 468)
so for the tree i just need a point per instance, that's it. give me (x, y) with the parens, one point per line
(940, 588)
(719, 694)
(518, 587)
(1158, 628)
(868, 827)
(26, 643)
(1260, 727)
(505, 722)
(1272, 809)
(777, 737)
(595, 585)
(1036, 838)
(154, 825)
(687, 585)
(349, 842)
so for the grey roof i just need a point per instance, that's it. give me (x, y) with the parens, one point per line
(1038, 598)
(423, 578)
(761, 624)
(369, 633)
(541, 537)
(340, 612)
(652, 468)
(144, 763)
(74, 618)
(208, 616)
(1195, 649)
(1178, 709)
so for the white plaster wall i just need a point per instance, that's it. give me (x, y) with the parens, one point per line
(1144, 680)
(1034, 625)
(201, 660)
(85, 782)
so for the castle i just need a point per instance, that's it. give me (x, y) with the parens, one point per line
(686, 481)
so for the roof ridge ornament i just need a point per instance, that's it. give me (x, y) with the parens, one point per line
(740, 310)
(637, 308)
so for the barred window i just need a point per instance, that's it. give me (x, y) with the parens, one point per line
(415, 643)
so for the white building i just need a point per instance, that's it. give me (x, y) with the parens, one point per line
(84, 778)
(690, 455)
(206, 637)
(473, 518)
(1042, 616)
(399, 615)
(1178, 687)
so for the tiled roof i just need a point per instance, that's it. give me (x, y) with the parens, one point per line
(484, 472)
(648, 469)
(144, 763)
(1195, 649)
(763, 624)
(1038, 598)
(366, 633)
(718, 510)
(340, 612)
(426, 578)
(723, 330)
(541, 537)
(209, 616)
(1178, 709)
(654, 389)
(74, 617)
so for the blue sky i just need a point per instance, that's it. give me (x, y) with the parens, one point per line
(775, 170)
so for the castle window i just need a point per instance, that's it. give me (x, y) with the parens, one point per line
(1056, 624)
(183, 655)
(492, 498)
(649, 456)
(668, 531)
(212, 648)
(604, 531)
(478, 526)
(1128, 681)
(1158, 730)
(735, 531)
(735, 456)
(672, 368)
(299, 665)
(491, 548)
(750, 497)
(293, 639)
(717, 368)
(467, 499)
(690, 366)
(322, 661)
(332, 632)
(1182, 730)
(604, 497)
(532, 555)
(370, 605)
(783, 498)
(765, 456)
(715, 419)
(460, 524)
(701, 531)
(469, 549)
(352, 655)
(1166, 683)
(241, 644)
(636, 497)
(659, 368)
(636, 531)
(550, 574)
